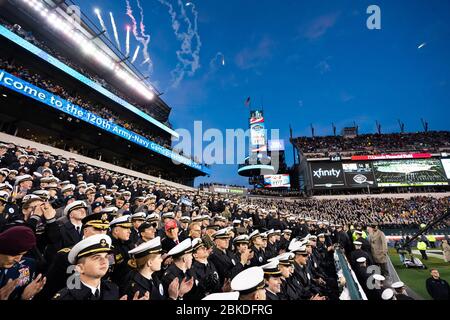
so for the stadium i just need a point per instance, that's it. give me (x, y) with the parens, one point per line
(93, 189)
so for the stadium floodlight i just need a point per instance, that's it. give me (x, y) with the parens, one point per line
(104, 60)
(121, 74)
(89, 49)
(96, 10)
(51, 17)
(44, 12)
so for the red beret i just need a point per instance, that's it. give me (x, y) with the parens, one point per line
(171, 224)
(16, 240)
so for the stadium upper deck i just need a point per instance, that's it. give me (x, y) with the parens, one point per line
(316, 147)
(100, 65)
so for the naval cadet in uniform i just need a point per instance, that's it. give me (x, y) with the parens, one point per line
(146, 258)
(91, 259)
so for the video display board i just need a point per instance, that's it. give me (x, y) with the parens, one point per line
(277, 181)
(327, 175)
(380, 173)
(411, 172)
(257, 131)
(358, 174)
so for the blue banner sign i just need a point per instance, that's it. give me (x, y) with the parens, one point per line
(16, 84)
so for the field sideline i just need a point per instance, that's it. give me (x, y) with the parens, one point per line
(416, 278)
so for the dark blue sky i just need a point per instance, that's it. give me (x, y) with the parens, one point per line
(308, 61)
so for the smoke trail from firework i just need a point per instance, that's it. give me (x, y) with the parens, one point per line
(116, 35)
(135, 54)
(144, 39)
(146, 42)
(188, 59)
(127, 42)
(102, 23)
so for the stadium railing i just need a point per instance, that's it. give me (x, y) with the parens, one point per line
(343, 269)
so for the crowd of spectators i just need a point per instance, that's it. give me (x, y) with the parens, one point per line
(276, 192)
(50, 210)
(206, 185)
(387, 212)
(431, 141)
(27, 35)
(390, 213)
(96, 108)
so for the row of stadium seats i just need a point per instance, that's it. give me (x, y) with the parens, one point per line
(432, 141)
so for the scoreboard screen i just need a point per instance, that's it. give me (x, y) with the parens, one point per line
(379, 173)
(411, 172)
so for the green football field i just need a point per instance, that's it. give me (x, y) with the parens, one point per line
(415, 278)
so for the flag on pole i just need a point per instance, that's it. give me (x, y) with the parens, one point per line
(247, 102)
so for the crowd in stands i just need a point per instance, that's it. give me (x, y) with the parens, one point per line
(96, 108)
(276, 192)
(389, 213)
(379, 190)
(27, 35)
(431, 141)
(153, 241)
(206, 185)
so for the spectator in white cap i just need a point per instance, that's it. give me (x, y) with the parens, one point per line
(358, 253)
(120, 235)
(301, 272)
(30, 205)
(146, 259)
(241, 249)
(179, 270)
(205, 273)
(363, 275)
(272, 245)
(137, 219)
(183, 231)
(375, 287)
(71, 230)
(90, 257)
(272, 278)
(226, 262)
(388, 294)
(400, 291)
(67, 190)
(257, 244)
(285, 239)
(250, 284)
(22, 186)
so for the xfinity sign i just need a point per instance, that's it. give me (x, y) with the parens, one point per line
(326, 173)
